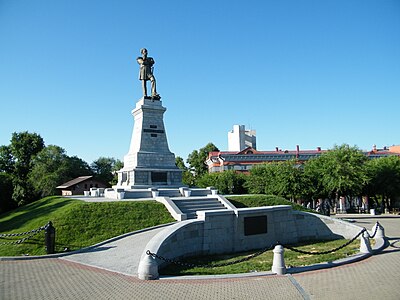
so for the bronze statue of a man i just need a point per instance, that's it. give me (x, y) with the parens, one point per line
(146, 73)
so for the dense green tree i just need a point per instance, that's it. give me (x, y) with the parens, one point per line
(282, 179)
(343, 170)
(24, 147)
(104, 169)
(50, 169)
(384, 179)
(187, 175)
(289, 180)
(313, 172)
(117, 166)
(6, 190)
(256, 180)
(339, 172)
(77, 167)
(227, 182)
(6, 160)
(197, 159)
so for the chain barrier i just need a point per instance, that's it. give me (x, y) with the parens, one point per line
(376, 230)
(340, 247)
(329, 251)
(184, 264)
(209, 266)
(20, 241)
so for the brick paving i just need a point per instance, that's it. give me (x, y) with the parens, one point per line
(52, 278)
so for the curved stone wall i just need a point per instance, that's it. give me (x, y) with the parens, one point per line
(224, 231)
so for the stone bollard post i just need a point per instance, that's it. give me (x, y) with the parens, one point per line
(50, 238)
(278, 264)
(365, 245)
(148, 268)
(380, 232)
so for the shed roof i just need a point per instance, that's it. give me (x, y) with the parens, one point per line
(74, 182)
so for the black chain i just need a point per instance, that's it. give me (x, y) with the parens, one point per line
(31, 234)
(376, 230)
(184, 264)
(340, 247)
(329, 251)
(22, 233)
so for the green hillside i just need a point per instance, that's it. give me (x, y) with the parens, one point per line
(263, 200)
(78, 224)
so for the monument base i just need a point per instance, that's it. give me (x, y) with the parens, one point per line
(150, 177)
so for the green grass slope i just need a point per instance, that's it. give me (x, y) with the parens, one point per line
(78, 224)
(263, 200)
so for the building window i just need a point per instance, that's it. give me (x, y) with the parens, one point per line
(153, 135)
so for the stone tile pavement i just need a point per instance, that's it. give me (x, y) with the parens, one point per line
(374, 278)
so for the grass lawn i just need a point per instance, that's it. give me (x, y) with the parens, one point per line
(78, 224)
(264, 261)
(263, 200)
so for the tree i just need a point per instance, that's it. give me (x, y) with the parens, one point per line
(24, 146)
(227, 182)
(384, 179)
(187, 176)
(339, 172)
(6, 188)
(313, 172)
(77, 167)
(197, 159)
(104, 169)
(256, 180)
(50, 169)
(283, 179)
(289, 180)
(6, 160)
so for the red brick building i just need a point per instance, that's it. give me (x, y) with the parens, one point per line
(243, 161)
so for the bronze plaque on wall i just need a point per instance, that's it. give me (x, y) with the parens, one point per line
(255, 225)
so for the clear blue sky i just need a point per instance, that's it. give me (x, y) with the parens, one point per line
(312, 73)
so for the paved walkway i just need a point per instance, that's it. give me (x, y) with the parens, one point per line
(122, 256)
(374, 278)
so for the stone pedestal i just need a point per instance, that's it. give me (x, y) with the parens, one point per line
(149, 161)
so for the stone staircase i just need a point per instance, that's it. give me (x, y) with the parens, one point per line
(190, 205)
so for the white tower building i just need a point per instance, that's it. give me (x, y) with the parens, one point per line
(239, 138)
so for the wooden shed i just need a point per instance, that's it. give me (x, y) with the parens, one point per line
(78, 185)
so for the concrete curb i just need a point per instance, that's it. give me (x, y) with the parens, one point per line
(340, 262)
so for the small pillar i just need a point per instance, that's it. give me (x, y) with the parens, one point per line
(365, 246)
(185, 191)
(380, 232)
(213, 190)
(154, 192)
(50, 238)
(278, 264)
(148, 268)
